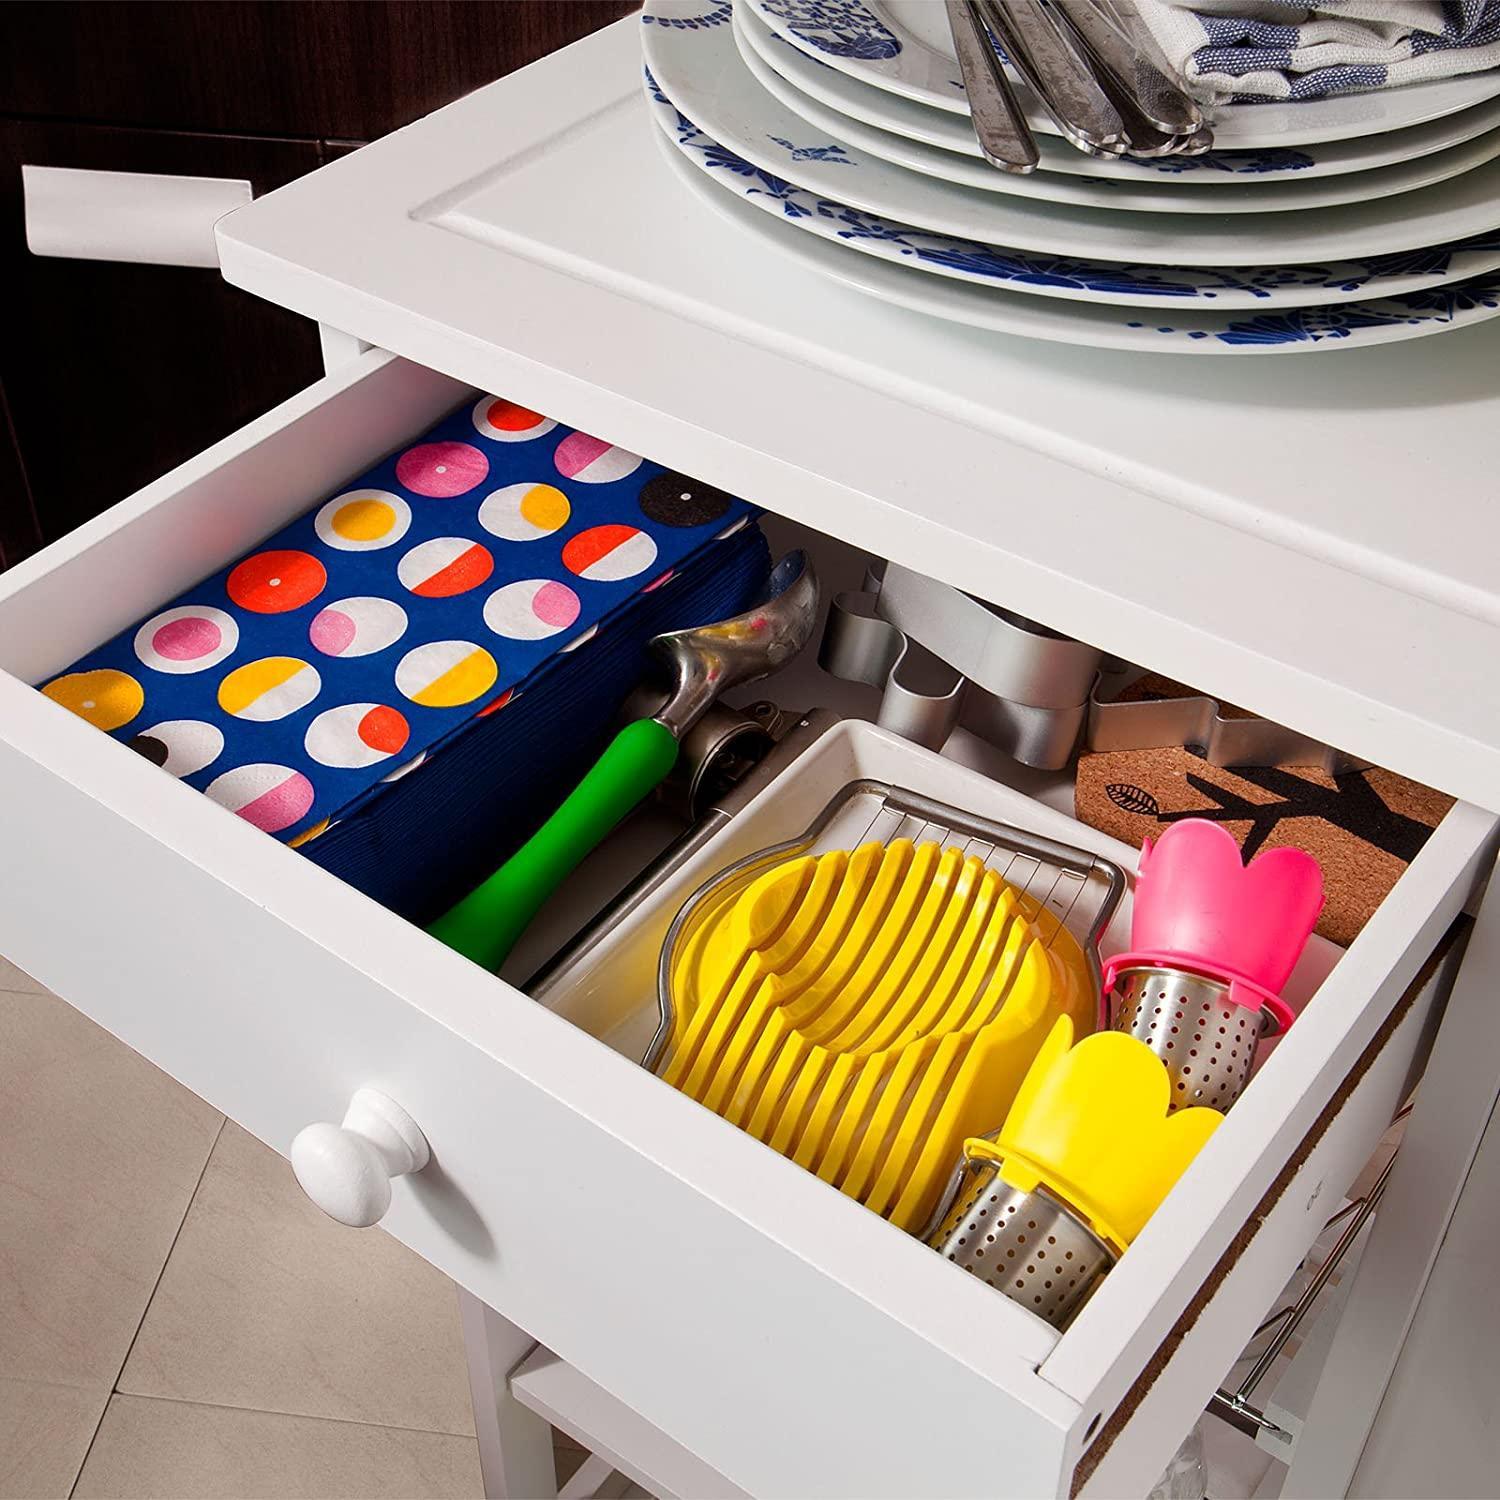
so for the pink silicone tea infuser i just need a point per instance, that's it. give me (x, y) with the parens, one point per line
(1212, 943)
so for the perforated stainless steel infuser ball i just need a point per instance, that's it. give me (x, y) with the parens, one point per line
(1028, 1245)
(1203, 1034)
(1043, 1208)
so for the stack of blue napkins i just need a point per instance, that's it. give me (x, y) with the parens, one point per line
(404, 680)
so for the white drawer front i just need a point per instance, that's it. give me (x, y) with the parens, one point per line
(784, 1336)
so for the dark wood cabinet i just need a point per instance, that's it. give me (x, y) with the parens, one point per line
(115, 373)
(111, 374)
(18, 524)
(350, 69)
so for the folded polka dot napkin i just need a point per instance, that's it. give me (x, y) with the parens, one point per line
(1245, 50)
(426, 594)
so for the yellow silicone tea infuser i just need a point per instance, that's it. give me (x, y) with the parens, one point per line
(1049, 1202)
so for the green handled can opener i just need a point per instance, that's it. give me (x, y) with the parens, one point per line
(705, 661)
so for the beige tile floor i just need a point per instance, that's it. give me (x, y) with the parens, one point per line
(177, 1320)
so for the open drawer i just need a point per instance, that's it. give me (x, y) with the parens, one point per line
(789, 1340)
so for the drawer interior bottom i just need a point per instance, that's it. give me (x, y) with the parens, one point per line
(983, 780)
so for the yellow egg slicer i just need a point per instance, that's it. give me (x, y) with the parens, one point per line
(1090, 1147)
(864, 1010)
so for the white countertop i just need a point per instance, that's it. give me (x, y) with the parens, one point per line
(1313, 536)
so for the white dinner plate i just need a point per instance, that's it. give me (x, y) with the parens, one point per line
(904, 47)
(1349, 325)
(700, 70)
(1135, 196)
(950, 132)
(1065, 277)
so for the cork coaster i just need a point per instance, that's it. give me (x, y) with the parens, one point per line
(1363, 828)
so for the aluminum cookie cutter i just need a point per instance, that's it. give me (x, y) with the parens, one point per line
(941, 659)
(1196, 724)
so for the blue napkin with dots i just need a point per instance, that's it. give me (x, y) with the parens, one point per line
(500, 555)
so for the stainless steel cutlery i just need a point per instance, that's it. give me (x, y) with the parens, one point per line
(1079, 58)
(1039, 47)
(1160, 102)
(998, 122)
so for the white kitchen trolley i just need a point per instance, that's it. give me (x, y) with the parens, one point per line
(1312, 538)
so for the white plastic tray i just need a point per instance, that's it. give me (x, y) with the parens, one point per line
(611, 990)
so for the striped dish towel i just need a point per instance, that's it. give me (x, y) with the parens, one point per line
(1242, 51)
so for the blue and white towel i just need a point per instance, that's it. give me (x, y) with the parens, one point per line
(1250, 50)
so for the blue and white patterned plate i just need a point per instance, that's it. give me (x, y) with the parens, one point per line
(856, 104)
(903, 47)
(1299, 330)
(1070, 277)
(1163, 195)
(834, 190)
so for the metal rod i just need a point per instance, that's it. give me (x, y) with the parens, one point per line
(1243, 1417)
(1305, 1301)
(1361, 1208)
(1234, 1406)
(1276, 1317)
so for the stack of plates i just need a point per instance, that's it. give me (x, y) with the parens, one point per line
(837, 131)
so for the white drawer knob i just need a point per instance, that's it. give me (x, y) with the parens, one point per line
(347, 1169)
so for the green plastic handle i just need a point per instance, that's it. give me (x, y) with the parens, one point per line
(484, 926)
